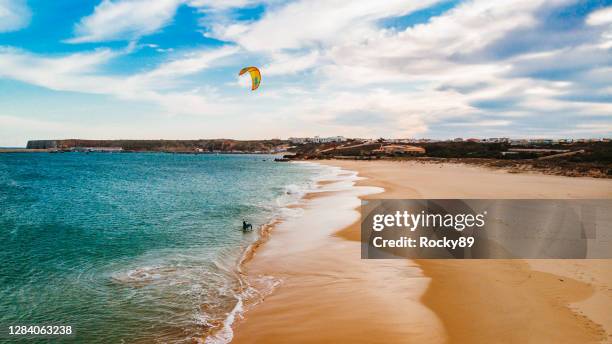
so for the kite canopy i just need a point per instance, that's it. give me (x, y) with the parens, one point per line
(255, 76)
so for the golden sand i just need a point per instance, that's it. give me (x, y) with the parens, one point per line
(328, 294)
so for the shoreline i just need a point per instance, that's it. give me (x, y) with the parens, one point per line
(248, 293)
(555, 303)
(321, 278)
(253, 292)
(224, 333)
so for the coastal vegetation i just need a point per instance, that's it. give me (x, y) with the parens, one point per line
(588, 158)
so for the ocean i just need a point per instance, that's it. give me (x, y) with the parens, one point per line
(134, 247)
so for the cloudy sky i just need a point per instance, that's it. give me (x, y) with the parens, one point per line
(392, 68)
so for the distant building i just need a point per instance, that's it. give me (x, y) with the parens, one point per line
(97, 149)
(399, 149)
(459, 139)
(541, 141)
(330, 139)
(297, 140)
(472, 140)
(316, 139)
(497, 140)
(519, 142)
(400, 140)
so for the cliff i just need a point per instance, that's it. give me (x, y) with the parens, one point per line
(41, 144)
(220, 145)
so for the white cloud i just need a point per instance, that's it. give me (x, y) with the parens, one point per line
(80, 72)
(450, 53)
(220, 4)
(432, 51)
(380, 112)
(484, 123)
(124, 20)
(597, 128)
(114, 20)
(291, 63)
(600, 17)
(70, 72)
(308, 23)
(466, 28)
(14, 15)
(191, 63)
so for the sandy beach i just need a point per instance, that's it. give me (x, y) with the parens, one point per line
(319, 290)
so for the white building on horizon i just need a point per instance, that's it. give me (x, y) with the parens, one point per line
(316, 139)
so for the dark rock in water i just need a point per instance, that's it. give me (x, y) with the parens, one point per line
(281, 160)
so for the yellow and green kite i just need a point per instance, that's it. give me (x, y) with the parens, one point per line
(255, 76)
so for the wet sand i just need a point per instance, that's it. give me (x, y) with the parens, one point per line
(326, 293)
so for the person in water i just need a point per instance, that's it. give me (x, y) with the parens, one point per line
(246, 226)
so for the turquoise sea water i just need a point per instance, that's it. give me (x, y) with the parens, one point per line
(132, 247)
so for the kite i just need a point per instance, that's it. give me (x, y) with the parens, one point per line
(255, 76)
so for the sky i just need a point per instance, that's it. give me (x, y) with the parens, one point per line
(168, 69)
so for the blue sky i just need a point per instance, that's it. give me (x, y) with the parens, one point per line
(440, 69)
